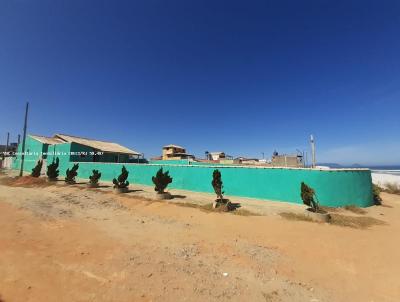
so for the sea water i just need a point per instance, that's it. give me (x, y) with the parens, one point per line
(393, 170)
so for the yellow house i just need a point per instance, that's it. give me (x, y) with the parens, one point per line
(172, 152)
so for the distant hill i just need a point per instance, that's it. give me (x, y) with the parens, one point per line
(330, 165)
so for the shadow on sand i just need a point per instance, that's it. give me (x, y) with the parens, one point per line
(178, 196)
(133, 191)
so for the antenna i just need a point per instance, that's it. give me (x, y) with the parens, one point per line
(312, 142)
(8, 141)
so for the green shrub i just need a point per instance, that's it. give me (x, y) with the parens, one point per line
(307, 195)
(218, 185)
(52, 169)
(71, 174)
(94, 178)
(376, 193)
(36, 170)
(161, 181)
(121, 181)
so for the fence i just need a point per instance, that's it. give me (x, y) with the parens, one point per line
(336, 187)
(6, 163)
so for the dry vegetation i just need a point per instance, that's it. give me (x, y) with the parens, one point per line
(356, 222)
(392, 188)
(209, 208)
(24, 181)
(355, 209)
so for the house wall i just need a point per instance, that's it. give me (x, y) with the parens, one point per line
(34, 150)
(105, 157)
(169, 153)
(286, 161)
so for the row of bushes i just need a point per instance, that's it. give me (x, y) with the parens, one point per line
(161, 180)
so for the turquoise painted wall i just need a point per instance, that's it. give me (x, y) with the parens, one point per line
(333, 187)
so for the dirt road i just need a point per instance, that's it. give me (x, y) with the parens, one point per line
(60, 243)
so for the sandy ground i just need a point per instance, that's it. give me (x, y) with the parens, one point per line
(63, 243)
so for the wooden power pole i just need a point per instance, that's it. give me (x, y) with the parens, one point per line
(23, 140)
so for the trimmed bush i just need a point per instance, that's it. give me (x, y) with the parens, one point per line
(95, 177)
(307, 195)
(52, 169)
(71, 174)
(121, 182)
(161, 181)
(36, 170)
(218, 185)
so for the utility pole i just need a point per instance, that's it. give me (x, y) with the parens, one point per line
(8, 141)
(23, 140)
(312, 142)
(19, 138)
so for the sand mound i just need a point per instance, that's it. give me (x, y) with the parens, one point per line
(25, 181)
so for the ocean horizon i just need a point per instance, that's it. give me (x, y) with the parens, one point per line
(393, 169)
(384, 169)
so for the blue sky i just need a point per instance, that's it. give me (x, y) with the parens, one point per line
(243, 77)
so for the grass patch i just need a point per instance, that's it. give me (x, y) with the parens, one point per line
(243, 212)
(205, 208)
(330, 209)
(209, 209)
(392, 188)
(339, 220)
(355, 222)
(355, 209)
(295, 216)
(352, 208)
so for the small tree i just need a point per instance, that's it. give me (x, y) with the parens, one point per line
(36, 170)
(52, 169)
(94, 178)
(161, 181)
(71, 174)
(307, 195)
(121, 182)
(218, 185)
